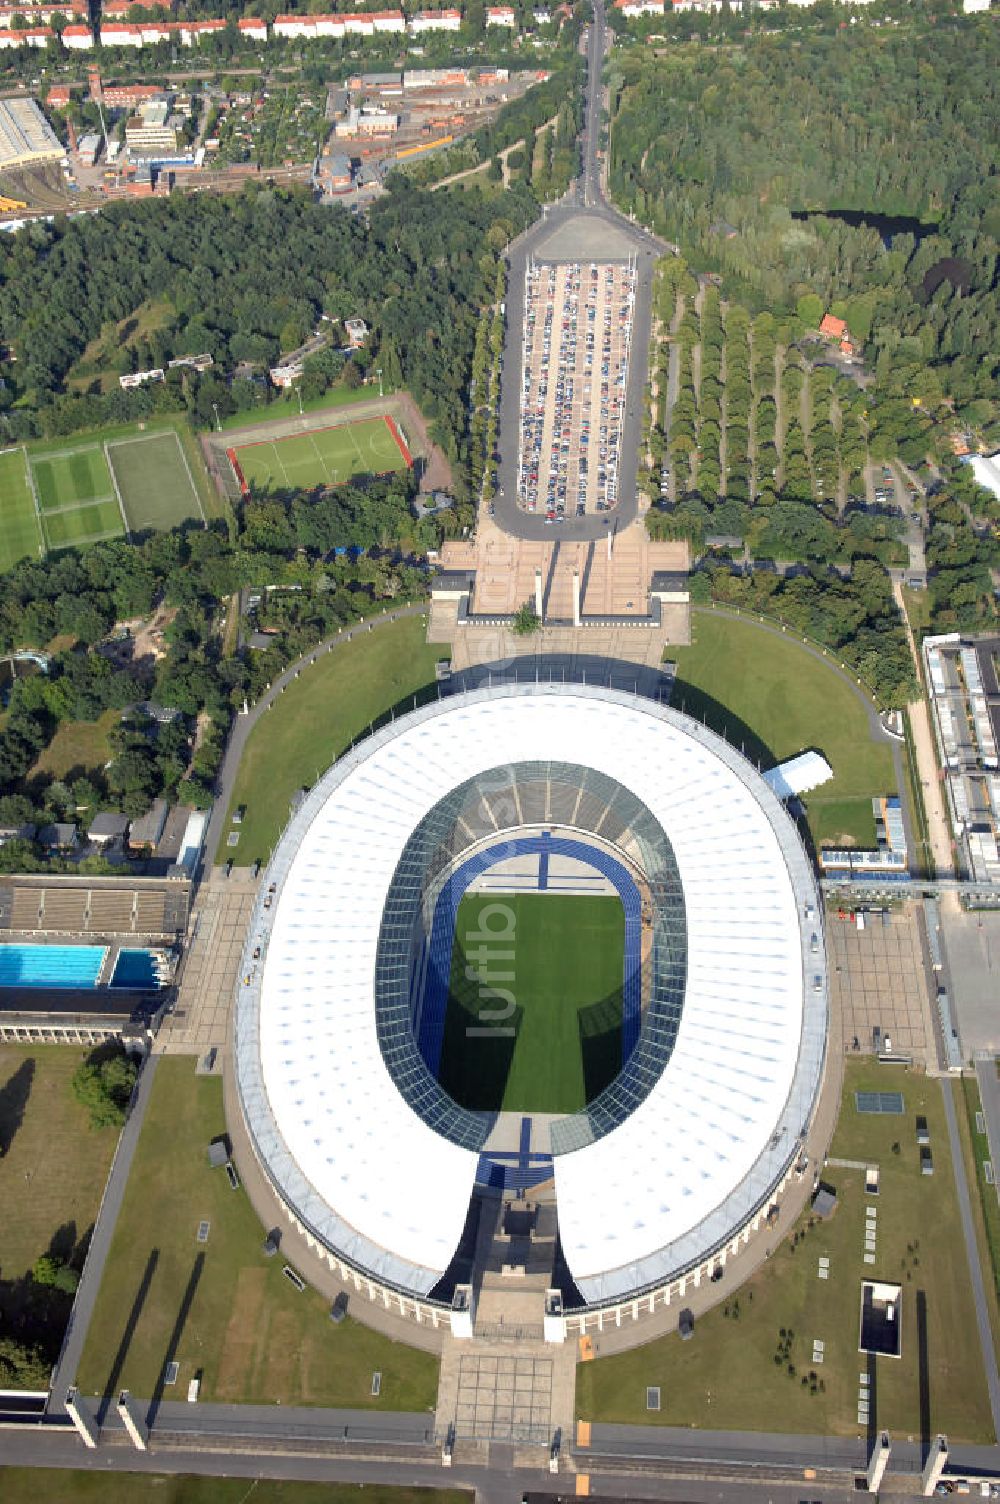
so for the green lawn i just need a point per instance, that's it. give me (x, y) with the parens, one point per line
(154, 481)
(768, 693)
(287, 405)
(70, 475)
(988, 1199)
(222, 1307)
(322, 457)
(76, 526)
(318, 717)
(727, 1377)
(563, 1047)
(34, 1485)
(20, 537)
(52, 1172)
(82, 746)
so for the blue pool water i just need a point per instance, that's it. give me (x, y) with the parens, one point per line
(134, 968)
(50, 965)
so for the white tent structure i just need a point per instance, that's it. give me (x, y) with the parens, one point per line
(330, 1115)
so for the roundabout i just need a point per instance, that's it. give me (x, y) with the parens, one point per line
(686, 1149)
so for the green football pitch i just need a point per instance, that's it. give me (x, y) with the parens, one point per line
(154, 481)
(321, 457)
(76, 495)
(19, 531)
(562, 1043)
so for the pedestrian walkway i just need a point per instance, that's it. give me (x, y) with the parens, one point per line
(199, 1021)
(100, 1244)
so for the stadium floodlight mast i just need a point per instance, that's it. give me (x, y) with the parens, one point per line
(378, 373)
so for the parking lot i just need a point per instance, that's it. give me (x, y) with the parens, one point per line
(577, 336)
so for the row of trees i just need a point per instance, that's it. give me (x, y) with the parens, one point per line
(762, 442)
(751, 155)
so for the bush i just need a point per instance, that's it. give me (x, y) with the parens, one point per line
(104, 1084)
(22, 1367)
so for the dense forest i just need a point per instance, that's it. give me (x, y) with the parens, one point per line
(246, 278)
(285, 544)
(746, 154)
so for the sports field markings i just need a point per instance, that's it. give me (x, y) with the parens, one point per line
(324, 464)
(42, 544)
(20, 527)
(118, 494)
(74, 506)
(274, 449)
(153, 438)
(194, 488)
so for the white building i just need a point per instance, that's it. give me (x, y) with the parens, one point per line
(78, 38)
(121, 34)
(500, 15)
(986, 469)
(661, 1178)
(435, 20)
(634, 9)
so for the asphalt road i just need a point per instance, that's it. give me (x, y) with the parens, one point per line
(586, 210)
(491, 1486)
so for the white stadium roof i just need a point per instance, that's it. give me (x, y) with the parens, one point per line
(707, 1145)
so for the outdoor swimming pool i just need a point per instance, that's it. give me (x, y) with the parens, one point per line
(74, 966)
(51, 965)
(134, 968)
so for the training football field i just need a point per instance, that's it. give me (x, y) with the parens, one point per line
(154, 481)
(20, 536)
(562, 1043)
(321, 457)
(75, 494)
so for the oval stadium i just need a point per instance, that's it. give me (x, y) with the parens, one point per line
(536, 983)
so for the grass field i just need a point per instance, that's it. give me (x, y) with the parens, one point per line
(287, 404)
(157, 478)
(76, 495)
(20, 536)
(35, 1485)
(727, 1376)
(565, 1045)
(78, 747)
(52, 1172)
(222, 1307)
(970, 1103)
(318, 716)
(766, 691)
(154, 481)
(322, 457)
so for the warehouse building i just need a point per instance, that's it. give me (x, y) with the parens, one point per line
(25, 135)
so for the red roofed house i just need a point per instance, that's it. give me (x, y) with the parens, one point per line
(831, 327)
